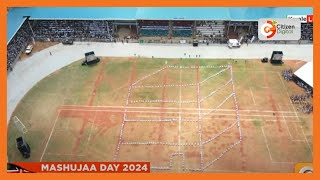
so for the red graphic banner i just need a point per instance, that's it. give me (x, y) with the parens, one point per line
(79, 167)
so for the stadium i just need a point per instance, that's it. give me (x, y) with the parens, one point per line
(165, 88)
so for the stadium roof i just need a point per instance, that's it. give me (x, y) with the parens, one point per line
(15, 16)
(305, 73)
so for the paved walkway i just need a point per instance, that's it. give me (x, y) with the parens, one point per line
(28, 72)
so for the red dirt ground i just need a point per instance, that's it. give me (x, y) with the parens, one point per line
(90, 102)
(272, 101)
(132, 77)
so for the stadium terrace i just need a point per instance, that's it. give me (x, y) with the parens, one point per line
(144, 25)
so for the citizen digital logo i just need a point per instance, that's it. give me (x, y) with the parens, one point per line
(285, 29)
(279, 29)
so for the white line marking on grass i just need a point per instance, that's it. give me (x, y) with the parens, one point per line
(219, 134)
(191, 120)
(166, 85)
(221, 154)
(124, 114)
(173, 112)
(297, 140)
(294, 109)
(306, 140)
(284, 86)
(254, 101)
(216, 90)
(199, 118)
(122, 125)
(147, 76)
(213, 75)
(54, 125)
(65, 107)
(217, 107)
(90, 132)
(266, 142)
(305, 137)
(285, 122)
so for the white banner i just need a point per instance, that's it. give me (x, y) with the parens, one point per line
(303, 18)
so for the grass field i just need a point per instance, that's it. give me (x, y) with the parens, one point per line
(180, 114)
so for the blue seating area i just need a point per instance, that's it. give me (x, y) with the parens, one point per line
(150, 28)
(182, 32)
(153, 32)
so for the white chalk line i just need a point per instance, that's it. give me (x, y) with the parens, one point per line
(283, 85)
(90, 132)
(174, 112)
(285, 122)
(200, 133)
(66, 107)
(297, 117)
(267, 145)
(254, 101)
(123, 120)
(179, 129)
(269, 152)
(46, 146)
(199, 120)
(177, 85)
(215, 91)
(217, 107)
(193, 120)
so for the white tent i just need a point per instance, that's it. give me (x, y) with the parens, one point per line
(305, 73)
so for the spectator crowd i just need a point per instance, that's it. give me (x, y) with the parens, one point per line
(18, 43)
(302, 100)
(287, 74)
(102, 30)
(80, 30)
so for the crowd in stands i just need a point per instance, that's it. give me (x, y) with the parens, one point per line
(102, 30)
(18, 43)
(287, 74)
(210, 28)
(307, 88)
(307, 31)
(211, 31)
(149, 28)
(300, 100)
(81, 30)
(255, 29)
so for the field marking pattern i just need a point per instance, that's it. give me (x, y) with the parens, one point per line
(200, 116)
(170, 166)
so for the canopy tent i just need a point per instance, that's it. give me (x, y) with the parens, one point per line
(305, 73)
